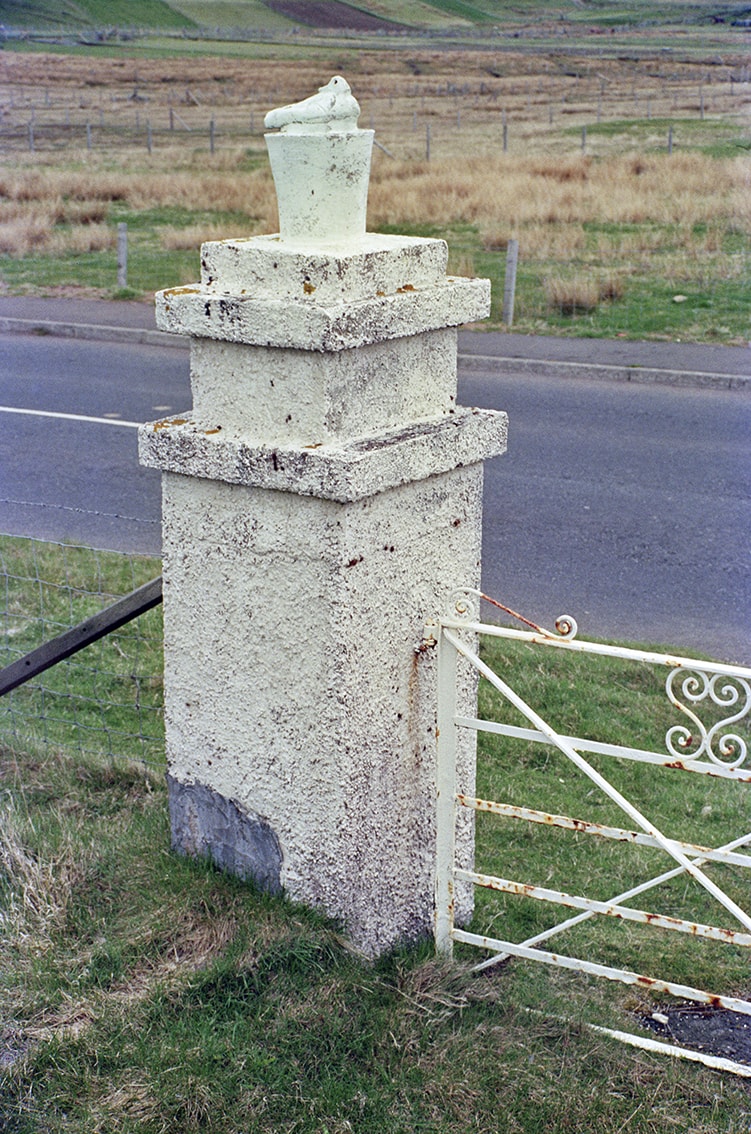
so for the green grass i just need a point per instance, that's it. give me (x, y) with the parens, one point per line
(148, 270)
(232, 14)
(716, 137)
(106, 699)
(715, 307)
(91, 13)
(144, 992)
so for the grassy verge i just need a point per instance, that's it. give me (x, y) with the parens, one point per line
(106, 700)
(145, 992)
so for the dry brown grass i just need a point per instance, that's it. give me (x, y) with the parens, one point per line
(513, 193)
(38, 890)
(579, 293)
(542, 203)
(574, 214)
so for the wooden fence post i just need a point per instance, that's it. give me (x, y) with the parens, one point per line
(122, 254)
(509, 287)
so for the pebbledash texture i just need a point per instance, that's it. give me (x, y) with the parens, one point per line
(321, 501)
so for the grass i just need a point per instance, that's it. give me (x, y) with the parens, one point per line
(147, 992)
(107, 699)
(424, 13)
(91, 13)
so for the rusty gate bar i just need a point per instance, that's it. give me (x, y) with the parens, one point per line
(688, 749)
(608, 909)
(510, 811)
(623, 976)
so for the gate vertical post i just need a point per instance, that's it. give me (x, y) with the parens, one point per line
(321, 499)
(446, 759)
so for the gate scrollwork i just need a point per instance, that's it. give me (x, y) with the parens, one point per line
(722, 747)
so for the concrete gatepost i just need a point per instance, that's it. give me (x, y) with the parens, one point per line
(321, 500)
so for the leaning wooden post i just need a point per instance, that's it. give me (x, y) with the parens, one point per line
(321, 500)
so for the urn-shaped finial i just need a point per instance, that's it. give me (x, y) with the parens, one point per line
(320, 162)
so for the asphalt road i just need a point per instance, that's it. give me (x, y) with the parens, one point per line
(624, 505)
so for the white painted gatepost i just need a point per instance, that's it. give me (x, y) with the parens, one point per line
(320, 500)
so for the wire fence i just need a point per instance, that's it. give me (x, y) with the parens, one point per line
(106, 700)
(414, 121)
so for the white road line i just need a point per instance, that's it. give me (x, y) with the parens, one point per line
(72, 417)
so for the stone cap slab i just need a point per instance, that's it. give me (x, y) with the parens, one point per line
(297, 324)
(343, 472)
(375, 264)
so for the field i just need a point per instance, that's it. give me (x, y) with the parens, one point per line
(143, 992)
(623, 171)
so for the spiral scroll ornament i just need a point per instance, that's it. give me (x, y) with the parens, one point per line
(465, 604)
(723, 747)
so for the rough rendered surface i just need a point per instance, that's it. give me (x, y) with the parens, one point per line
(267, 267)
(314, 326)
(345, 472)
(295, 684)
(298, 397)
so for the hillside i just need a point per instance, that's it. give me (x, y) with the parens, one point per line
(365, 15)
(61, 15)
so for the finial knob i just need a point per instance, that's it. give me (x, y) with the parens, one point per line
(320, 161)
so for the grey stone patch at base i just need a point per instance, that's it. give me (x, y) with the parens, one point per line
(205, 824)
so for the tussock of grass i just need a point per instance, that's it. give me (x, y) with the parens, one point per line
(37, 891)
(581, 293)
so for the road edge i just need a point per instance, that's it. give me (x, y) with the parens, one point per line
(507, 366)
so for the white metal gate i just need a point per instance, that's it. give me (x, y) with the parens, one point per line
(719, 750)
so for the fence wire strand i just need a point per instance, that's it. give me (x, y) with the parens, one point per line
(107, 699)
